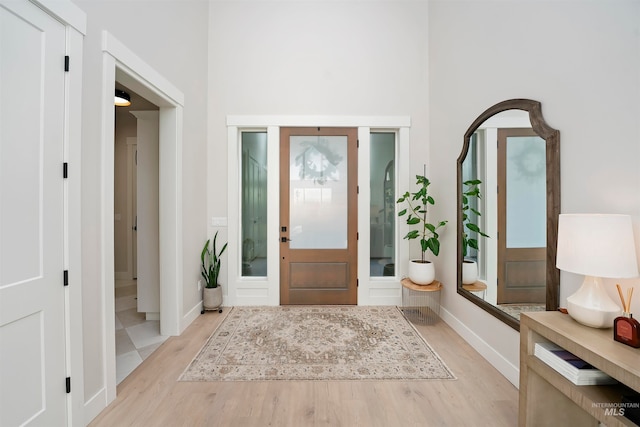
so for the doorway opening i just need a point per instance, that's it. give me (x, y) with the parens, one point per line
(137, 299)
(122, 65)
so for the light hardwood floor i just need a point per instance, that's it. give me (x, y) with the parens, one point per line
(152, 396)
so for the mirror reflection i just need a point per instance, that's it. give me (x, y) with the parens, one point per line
(508, 188)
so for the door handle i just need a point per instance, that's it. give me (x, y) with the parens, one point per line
(285, 239)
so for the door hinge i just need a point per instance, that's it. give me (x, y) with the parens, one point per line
(68, 384)
(357, 283)
(358, 236)
(66, 278)
(357, 143)
(66, 63)
(65, 170)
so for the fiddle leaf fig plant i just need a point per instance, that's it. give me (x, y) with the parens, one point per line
(211, 263)
(416, 211)
(471, 191)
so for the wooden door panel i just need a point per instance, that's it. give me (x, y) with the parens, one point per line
(521, 270)
(327, 273)
(525, 275)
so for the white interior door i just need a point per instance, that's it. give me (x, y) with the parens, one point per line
(32, 307)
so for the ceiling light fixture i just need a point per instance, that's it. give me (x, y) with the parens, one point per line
(122, 99)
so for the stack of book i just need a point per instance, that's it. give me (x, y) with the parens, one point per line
(571, 367)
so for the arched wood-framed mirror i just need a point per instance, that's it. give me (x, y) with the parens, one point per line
(512, 157)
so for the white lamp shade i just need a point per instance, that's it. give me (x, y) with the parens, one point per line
(599, 245)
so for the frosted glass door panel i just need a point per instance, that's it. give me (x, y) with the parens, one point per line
(526, 192)
(318, 192)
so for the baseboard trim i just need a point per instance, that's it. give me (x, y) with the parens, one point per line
(96, 404)
(190, 316)
(504, 366)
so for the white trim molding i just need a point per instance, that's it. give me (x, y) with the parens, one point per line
(121, 64)
(378, 122)
(149, 83)
(67, 12)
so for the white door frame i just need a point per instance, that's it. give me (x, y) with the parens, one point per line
(266, 290)
(121, 64)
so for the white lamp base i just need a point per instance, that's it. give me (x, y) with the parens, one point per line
(592, 306)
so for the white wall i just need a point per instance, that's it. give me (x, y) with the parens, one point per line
(581, 60)
(313, 58)
(171, 37)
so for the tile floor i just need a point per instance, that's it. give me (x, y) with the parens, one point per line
(136, 337)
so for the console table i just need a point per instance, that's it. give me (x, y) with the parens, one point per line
(421, 303)
(549, 399)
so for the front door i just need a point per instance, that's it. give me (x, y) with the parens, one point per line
(318, 215)
(522, 214)
(32, 295)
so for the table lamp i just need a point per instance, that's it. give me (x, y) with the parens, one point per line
(595, 245)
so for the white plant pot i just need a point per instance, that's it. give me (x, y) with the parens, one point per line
(421, 273)
(469, 272)
(212, 298)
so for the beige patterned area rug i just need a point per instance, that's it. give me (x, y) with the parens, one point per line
(316, 343)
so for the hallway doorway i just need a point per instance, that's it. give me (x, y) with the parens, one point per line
(137, 299)
(124, 66)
